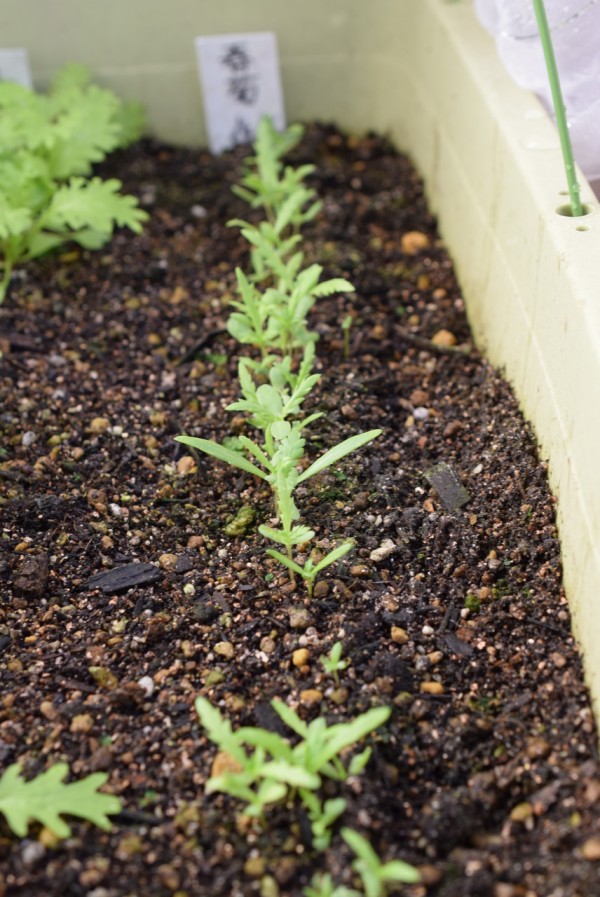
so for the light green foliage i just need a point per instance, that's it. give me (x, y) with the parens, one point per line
(46, 799)
(278, 458)
(310, 569)
(273, 769)
(322, 885)
(333, 663)
(48, 145)
(374, 874)
(275, 319)
(267, 184)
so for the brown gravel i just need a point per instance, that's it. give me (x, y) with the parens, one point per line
(450, 608)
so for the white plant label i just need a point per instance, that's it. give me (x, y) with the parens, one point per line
(240, 80)
(14, 66)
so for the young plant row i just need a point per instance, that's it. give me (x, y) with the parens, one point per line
(48, 144)
(271, 315)
(261, 768)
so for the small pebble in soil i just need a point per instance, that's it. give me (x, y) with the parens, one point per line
(311, 696)
(299, 618)
(225, 649)
(444, 338)
(590, 849)
(147, 683)
(413, 241)
(99, 425)
(300, 657)
(168, 562)
(387, 547)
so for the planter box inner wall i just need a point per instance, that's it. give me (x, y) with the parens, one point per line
(426, 73)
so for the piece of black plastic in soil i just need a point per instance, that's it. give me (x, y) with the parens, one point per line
(456, 645)
(121, 578)
(445, 481)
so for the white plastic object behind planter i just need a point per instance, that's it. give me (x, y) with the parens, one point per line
(575, 29)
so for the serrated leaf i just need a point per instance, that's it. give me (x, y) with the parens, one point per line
(89, 127)
(93, 204)
(71, 75)
(335, 285)
(298, 535)
(13, 222)
(47, 798)
(290, 718)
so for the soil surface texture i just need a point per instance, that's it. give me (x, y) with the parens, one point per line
(450, 607)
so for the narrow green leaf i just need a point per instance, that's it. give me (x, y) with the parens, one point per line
(334, 556)
(287, 562)
(398, 870)
(337, 452)
(222, 454)
(290, 718)
(292, 775)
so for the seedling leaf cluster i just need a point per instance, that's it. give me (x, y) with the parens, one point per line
(48, 146)
(273, 770)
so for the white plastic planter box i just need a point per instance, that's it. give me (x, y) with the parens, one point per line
(424, 71)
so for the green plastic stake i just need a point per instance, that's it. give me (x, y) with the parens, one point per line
(559, 107)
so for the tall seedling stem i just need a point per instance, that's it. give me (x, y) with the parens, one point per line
(559, 108)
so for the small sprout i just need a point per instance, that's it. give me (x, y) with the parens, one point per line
(346, 325)
(322, 885)
(472, 603)
(310, 570)
(333, 663)
(374, 874)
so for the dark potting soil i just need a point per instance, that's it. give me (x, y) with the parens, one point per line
(117, 553)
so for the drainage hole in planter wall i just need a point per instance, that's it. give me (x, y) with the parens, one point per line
(566, 212)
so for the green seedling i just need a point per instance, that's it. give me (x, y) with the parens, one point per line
(47, 798)
(322, 885)
(309, 571)
(333, 663)
(273, 770)
(346, 325)
(322, 816)
(267, 184)
(278, 458)
(276, 318)
(48, 145)
(375, 875)
(282, 397)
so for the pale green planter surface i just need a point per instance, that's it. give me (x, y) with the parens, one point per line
(425, 71)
